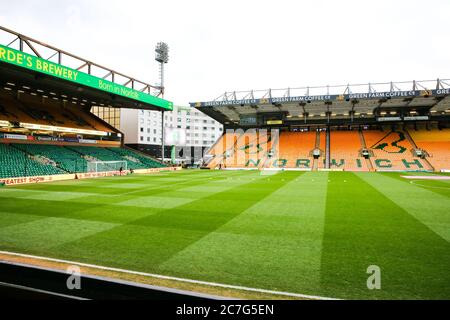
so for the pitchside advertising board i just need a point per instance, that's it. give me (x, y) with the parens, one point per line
(324, 98)
(24, 60)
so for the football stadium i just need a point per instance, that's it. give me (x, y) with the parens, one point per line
(329, 192)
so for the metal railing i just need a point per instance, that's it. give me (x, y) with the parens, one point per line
(336, 89)
(22, 41)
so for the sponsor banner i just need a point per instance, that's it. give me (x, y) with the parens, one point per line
(156, 170)
(89, 175)
(330, 170)
(422, 118)
(30, 62)
(55, 139)
(28, 180)
(387, 119)
(16, 137)
(344, 97)
(87, 141)
(274, 122)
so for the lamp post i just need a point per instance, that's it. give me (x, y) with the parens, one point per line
(162, 57)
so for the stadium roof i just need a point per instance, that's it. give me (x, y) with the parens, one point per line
(378, 101)
(31, 67)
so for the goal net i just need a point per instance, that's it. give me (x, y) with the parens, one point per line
(104, 166)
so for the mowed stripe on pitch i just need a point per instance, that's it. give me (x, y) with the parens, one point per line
(156, 238)
(430, 208)
(275, 244)
(33, 225)
(363, 228)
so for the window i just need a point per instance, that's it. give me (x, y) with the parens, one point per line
(142, 129)
(205, 142)
(179, 119)
(179, 127)
(205, 128)
(148, 130)
(148, 139)
(188, 127)
(205, 121)
(154, 139)
(142, 138)
(154, 131)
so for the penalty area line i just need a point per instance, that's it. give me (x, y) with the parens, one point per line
(157, 276)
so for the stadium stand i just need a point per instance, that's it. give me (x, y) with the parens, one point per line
(345, 150)
(64, 158)
(295, 149)
(217, 151)
(383, 150)
(393, 151)
(135, 160)
(28, 111)
(260, 150)
(20, 160)
(17, 163)
(249, 150)
(436, 144)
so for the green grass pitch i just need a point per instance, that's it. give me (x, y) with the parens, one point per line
(312, 233)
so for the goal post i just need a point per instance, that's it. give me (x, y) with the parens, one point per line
(105, 166)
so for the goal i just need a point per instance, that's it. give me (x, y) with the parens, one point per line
(104, 166)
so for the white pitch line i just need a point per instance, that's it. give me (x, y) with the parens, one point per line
(212, 284)
(425, 186)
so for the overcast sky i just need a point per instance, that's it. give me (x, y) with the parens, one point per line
(238, 45)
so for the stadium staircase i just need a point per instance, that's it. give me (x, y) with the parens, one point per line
(368, 161)
(345, 151)
(425, 154)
